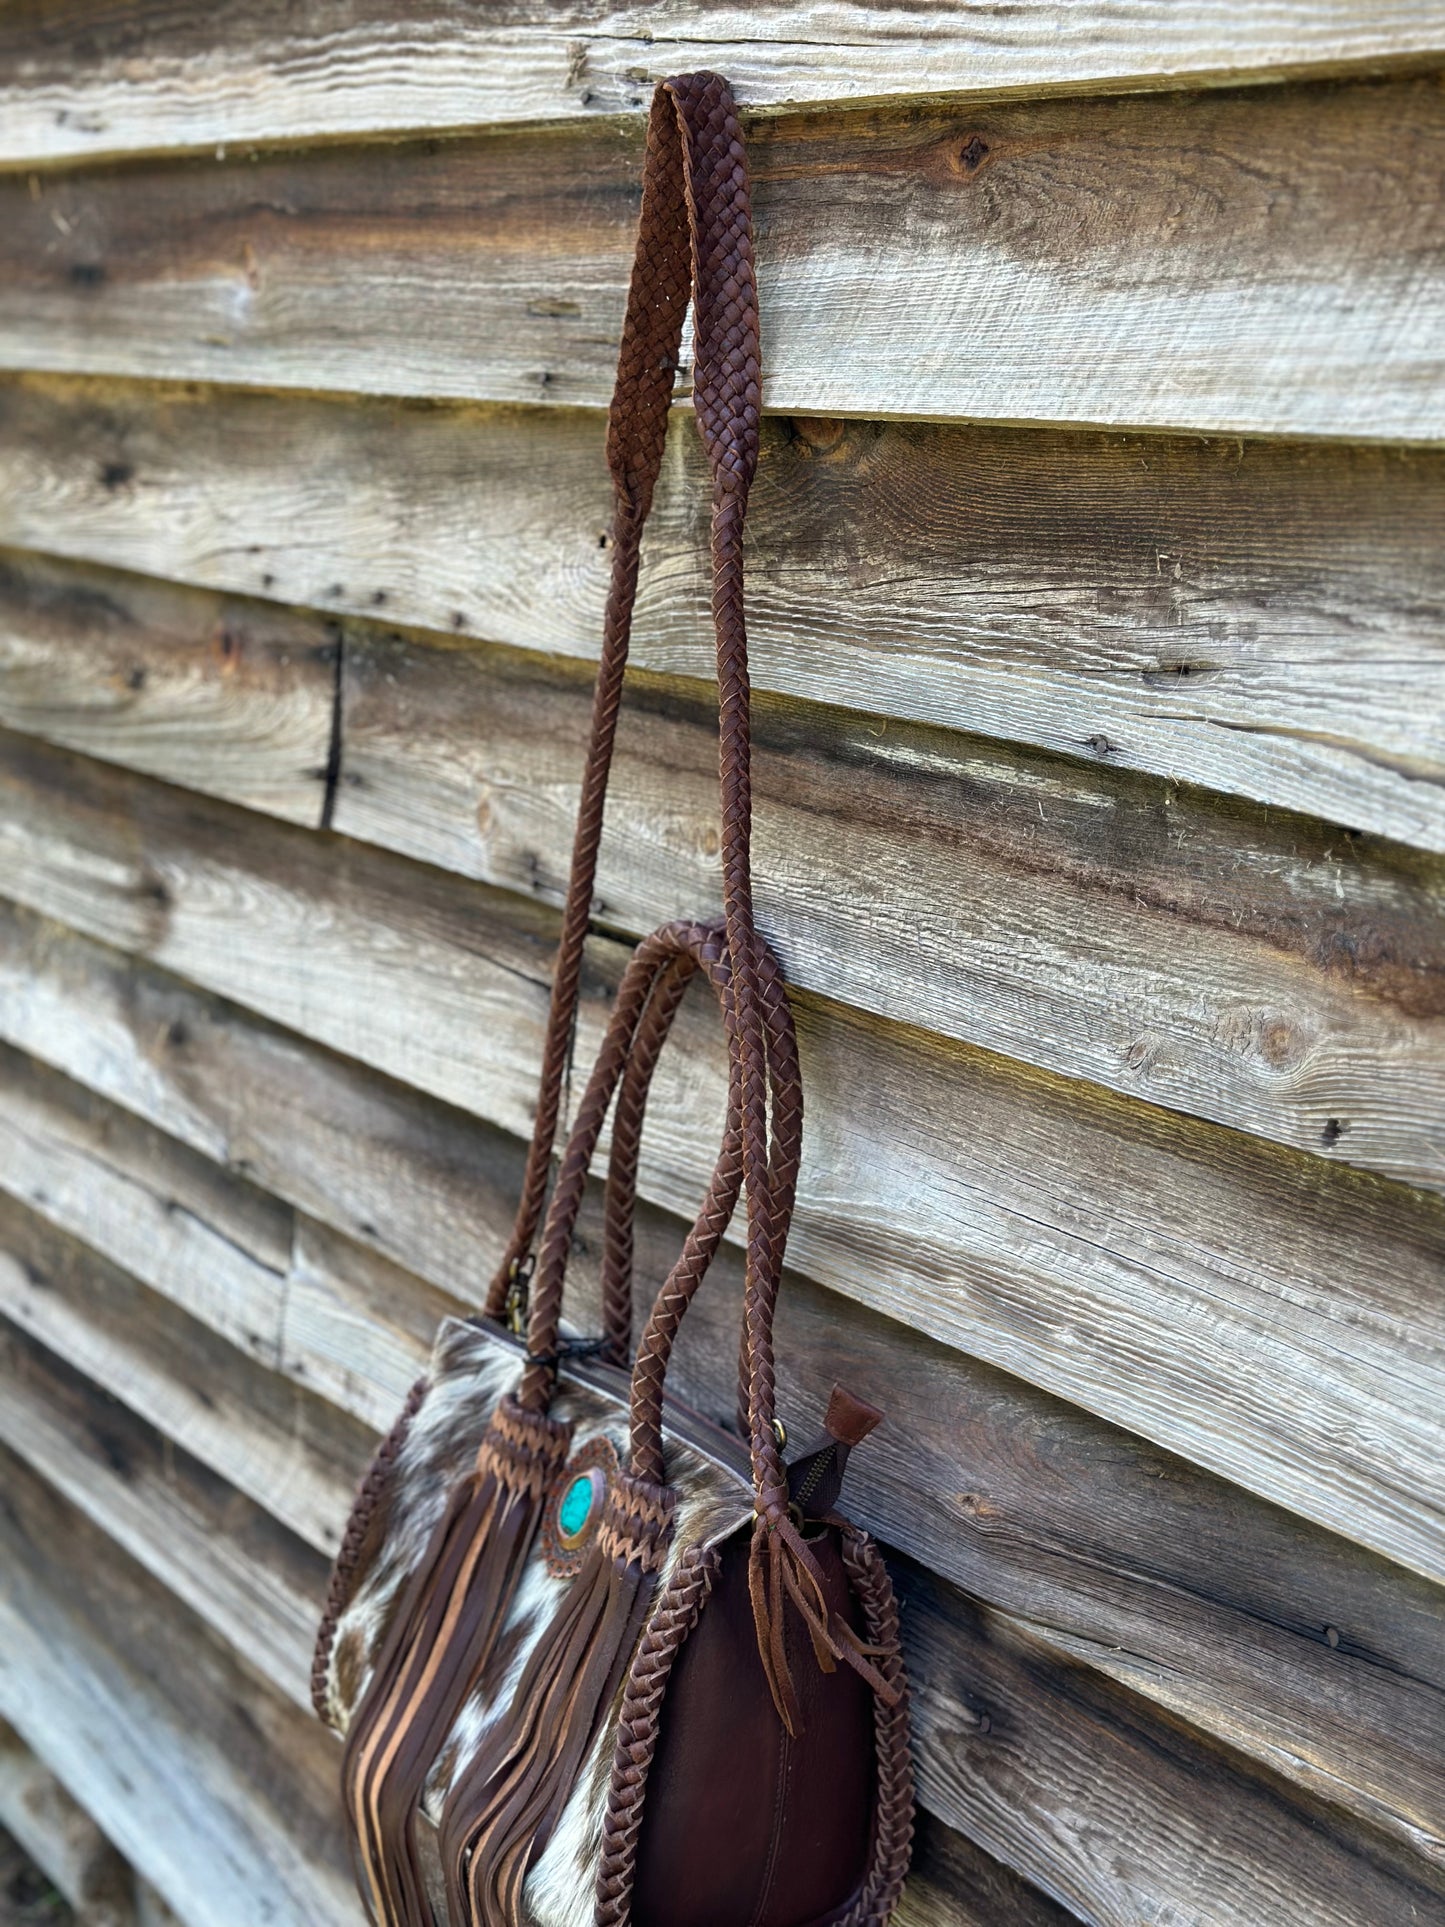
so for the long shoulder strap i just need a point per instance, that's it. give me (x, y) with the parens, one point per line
(696, 211)
(694, 238)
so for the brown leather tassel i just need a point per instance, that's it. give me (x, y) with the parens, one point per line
(500, 1815)
(781, 1571)
(439, 1642)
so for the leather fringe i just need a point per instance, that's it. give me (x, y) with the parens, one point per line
(501, 1813)
(782, 1572)
(440, 1640)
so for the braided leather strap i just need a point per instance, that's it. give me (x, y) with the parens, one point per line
(663, 278)
(674, 947)
(694, 238)
(577, 911)
(618, 1235)
(348, 1557)
(673, 1619)
(695, 210)
(627, 1123)
(893, 1822)
(654, 1350)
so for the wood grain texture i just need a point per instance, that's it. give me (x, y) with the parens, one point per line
(419, 1180)
(1141, 1821)
(954, 1883)
(1268, 972)
(61, 1839)
(221, 1554)
(271, 1439)
(1312, 1657)
(146, 75)
(1263, 619)
(1234, 263)
(1227, 1299)
(208, 1241)
(217, 1791)
(1265, 971)
(230, 698)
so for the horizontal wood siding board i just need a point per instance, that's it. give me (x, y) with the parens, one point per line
(1266, 971)
(219, 1553)
(1315, 1658)
(212, 1786)
(1223, 1297)
(1012, 1744)
(1257, 618)
(230, 697)
(209, 1241)
(418, 1180)
(1269, 972)
(1220, 262)
(262, 1432)
(148, 75)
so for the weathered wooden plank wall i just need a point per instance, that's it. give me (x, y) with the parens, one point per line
(1098, 616)
(1233, 262)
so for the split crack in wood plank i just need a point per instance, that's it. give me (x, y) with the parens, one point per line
(1280, 977)
(1004, 581)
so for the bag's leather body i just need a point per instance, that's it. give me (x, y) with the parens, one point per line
(788, 1839)
(471, 1368)
(594, 1659)
(742, 1822)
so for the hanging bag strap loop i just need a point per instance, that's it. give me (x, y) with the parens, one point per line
(693, 177)
(646, 1004)
(695, 236)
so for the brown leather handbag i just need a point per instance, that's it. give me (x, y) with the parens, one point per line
(595, 1658)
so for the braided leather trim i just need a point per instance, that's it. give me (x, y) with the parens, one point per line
(893, 1821)
(342, 1588)
(525, 1449)
(636, 1523)
(673, 1619)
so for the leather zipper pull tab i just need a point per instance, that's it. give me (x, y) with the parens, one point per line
(849, 1419)
(815, 1477)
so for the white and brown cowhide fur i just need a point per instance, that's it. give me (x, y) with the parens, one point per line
(471, 1368)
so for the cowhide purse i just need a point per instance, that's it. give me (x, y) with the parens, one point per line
(596, 1659)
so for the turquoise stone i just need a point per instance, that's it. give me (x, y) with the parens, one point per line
(576, 1506)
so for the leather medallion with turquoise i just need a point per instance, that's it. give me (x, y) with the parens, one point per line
(574, 1506)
